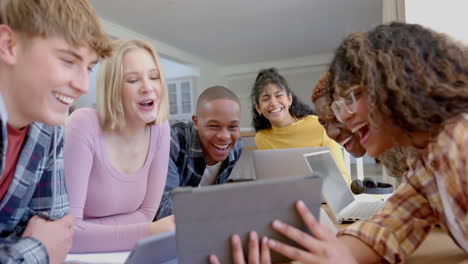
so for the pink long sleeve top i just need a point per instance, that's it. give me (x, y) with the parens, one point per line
(115, 209)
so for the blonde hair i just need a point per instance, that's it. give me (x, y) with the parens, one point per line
(74, 20)
(109, 86)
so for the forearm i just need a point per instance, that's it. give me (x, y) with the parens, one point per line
(362, 252)
(165, 224)
(107, 236)
(141, 215)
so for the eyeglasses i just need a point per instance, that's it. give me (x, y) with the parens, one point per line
(346, 104)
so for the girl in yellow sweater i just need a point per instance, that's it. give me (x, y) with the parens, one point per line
(282, 121)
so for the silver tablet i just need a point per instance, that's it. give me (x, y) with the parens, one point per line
(206, 217)
(159, 248)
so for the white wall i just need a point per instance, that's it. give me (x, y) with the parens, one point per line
(448, 16)
(89, 99)
(175, 70)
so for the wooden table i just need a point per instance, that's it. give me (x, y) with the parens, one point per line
(437, 248)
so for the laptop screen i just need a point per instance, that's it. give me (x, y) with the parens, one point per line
(334, 188)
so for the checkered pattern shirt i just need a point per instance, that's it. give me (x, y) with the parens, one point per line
(35, 187)
(187, 163)
(434, 191)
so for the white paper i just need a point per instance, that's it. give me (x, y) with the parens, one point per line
(98, 258)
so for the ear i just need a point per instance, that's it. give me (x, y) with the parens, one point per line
(257, 107)
(289, 99)
(8, 45)
(195, 121)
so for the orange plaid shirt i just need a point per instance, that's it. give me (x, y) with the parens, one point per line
(409, 215)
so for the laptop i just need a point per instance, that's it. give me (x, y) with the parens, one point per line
(160, 248)
(206, 217)
(336, 192)
(278, 163)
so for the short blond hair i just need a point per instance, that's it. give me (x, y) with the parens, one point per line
(110, 81)
(73, 20)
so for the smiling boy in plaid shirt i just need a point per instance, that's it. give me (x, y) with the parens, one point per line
(47, 51)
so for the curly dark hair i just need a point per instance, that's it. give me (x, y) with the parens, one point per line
(272, 76)
(416, 77)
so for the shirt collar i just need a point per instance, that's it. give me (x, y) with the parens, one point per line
(195, 150)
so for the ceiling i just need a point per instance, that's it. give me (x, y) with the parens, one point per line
(233, 32)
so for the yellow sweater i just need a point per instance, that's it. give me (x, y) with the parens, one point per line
(306, 132)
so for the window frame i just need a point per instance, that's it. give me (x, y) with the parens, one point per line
(180, 115)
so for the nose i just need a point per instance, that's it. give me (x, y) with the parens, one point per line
(333, 130)
(273, 100)
(146, 86)
(80, 82)
(345, 115)
(223, 134)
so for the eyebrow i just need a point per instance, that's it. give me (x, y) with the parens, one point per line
(134, 72)
(213, 121)
(76, 55)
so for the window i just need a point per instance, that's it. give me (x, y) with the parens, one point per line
(180, 99)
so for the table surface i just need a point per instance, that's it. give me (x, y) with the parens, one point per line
(437, 248)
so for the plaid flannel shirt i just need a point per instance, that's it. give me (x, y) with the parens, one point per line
(187, 163)
(434, 191)
(37, 185)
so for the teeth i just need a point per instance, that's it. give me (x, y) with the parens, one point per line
(221, 146)
(358, 127)
(346, 140)
(146, 103)
(63, 98)
(276, 110)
